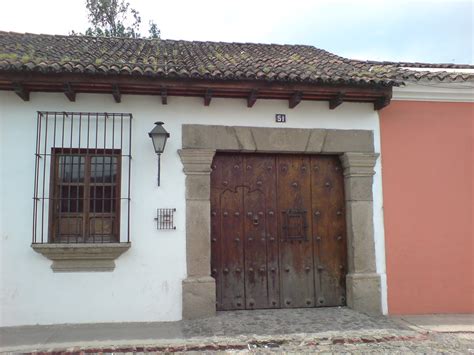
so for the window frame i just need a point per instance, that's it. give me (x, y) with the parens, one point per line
(55, 213)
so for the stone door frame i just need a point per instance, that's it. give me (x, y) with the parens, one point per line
(356, 151)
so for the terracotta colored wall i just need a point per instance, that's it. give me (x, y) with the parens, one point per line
(427, 171)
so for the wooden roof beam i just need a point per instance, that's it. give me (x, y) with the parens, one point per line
(69, 92)
(381, 102)
(295, 99)
(252, 98)
(104, 82)
(21, 91)
(116, 93)
(336, 101)
(207, 97)
(164, 96)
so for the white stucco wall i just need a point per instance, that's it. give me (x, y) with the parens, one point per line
(146, 284)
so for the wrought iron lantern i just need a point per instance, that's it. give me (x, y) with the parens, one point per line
(158, 136)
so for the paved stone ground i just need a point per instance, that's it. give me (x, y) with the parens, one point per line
(303, 344)
(323, 330)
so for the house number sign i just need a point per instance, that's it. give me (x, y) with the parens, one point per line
(280, 118)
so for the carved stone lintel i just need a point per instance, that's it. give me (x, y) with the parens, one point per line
(82, 257)
(358, 164)
(277, 140)
(196, 161)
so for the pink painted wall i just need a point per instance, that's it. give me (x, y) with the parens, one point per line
(427, 171)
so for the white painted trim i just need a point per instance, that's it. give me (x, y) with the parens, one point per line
(447, 92)
(437, 70)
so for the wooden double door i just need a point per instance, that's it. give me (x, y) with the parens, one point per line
(278, 232)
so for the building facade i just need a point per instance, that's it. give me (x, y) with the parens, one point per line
(274, 190)
(427, 144)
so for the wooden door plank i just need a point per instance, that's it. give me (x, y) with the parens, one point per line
(329, 226)
(216, 182)
(296, 256)
(269, 187)
(261, 285)
(229, 270)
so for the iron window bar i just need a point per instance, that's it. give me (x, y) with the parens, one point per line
(165, 218)
(67, 137)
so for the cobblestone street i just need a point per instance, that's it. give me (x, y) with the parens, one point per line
(326, 330)
(433, 343)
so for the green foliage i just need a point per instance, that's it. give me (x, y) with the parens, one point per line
(153, 30)
(295, 57)
(115, 18)
(25, 58)
(11, 56)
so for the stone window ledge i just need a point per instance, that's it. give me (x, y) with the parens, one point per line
(82, 257)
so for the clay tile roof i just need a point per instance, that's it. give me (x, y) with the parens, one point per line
(184, 60)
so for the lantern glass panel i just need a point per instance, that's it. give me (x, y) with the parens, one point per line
(159, 141)
(159, 136)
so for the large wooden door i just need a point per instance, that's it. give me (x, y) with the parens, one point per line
(278, 237)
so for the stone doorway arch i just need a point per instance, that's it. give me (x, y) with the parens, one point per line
(356, 151)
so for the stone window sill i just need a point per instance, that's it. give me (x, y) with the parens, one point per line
(82, 257)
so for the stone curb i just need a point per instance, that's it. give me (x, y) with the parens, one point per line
(218, 343)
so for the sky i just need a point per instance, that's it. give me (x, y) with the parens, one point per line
(434, 31)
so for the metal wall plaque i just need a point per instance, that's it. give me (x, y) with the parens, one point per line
(280, 118)
(165, 218)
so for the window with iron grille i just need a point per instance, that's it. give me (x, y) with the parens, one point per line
(82, 178)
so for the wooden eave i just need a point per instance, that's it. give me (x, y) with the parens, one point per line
(25, 83)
